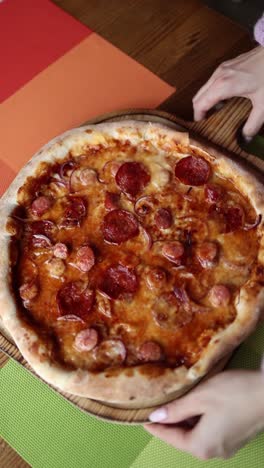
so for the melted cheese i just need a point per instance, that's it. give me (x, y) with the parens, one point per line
(180, 343)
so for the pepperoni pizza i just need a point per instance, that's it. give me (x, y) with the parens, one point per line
(131, 261)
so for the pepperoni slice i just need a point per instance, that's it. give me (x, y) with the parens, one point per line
(207, 253)
(132, 177)
(219, 296)
(111, 201)
(85, 259)
(193, 170)
(86, 340)
(75, 299)
(156, 278)
(110, 352)
(117, 280)
(40, 205)
(74, 213)
(28, 291)
(213, 193)
(163, 218)
(60, 250)
(173, 251)
(150, 351)
(119, 226)
(234, 218)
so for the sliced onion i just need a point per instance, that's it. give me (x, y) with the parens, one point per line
(184, 273)
(140, 202)
(22, 220)
(187, 303)
(178, 267)
(186, 195)
(42, 237)
(70, 318)
(101, 180)
(104, 304)
(61, 182)
(242, 269)
(107, 165)
(104, 294)
(71, 181)
(181, 294)
(147, 237)
(248, 227)
(62, 169)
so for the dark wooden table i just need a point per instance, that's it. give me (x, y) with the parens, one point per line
(182, 41)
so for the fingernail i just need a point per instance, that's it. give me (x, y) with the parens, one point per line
(158, 415)
(219, 106)
(247, 138)
(262, 365)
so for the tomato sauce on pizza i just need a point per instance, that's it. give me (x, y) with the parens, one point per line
(124, 255)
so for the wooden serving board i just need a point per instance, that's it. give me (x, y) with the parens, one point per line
(224, 135)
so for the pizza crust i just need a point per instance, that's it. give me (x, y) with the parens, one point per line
(140, 389)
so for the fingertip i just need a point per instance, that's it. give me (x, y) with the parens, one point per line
(262, 364)
(198, 118)
(248, 138)
(199, 112)
(196, 115)
(253, 124)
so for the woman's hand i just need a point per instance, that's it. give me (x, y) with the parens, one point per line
(231, 406)
(242, 76)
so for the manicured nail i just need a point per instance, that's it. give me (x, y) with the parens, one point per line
(158, 415)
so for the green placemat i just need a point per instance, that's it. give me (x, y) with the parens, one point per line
(48, 432)
(256, 146)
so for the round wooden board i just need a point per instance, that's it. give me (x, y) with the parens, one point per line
(142, 115)
(92, 407)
